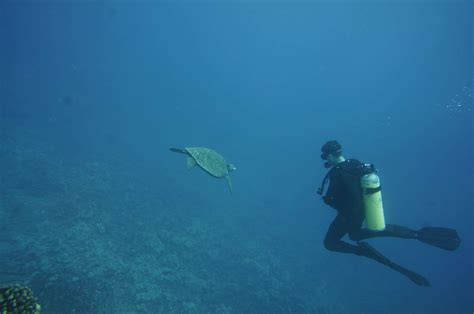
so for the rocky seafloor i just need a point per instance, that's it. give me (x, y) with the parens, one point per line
(89, 237)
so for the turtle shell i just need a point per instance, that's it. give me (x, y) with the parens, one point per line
(209, 160)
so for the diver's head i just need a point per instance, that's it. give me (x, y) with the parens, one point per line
(331, 152)
(231, 167)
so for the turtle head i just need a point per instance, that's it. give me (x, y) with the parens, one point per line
(231, 167)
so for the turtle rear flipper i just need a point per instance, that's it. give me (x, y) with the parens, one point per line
(229, 183)
(190, 162)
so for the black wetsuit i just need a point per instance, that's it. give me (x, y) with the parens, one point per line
(345, 195)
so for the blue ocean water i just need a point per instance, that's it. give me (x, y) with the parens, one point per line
(98, 216)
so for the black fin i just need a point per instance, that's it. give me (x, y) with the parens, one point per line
(444, 238)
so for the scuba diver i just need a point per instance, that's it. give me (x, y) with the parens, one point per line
(354, 191)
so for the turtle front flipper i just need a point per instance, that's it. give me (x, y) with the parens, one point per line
(229, 183)
(179, 150)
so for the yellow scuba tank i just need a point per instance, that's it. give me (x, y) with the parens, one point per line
(372, 199)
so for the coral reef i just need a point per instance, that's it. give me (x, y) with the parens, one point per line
(18, 299)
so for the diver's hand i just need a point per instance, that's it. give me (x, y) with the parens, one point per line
(328, 200)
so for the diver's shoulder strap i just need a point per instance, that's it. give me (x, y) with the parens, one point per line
(323, 183)
(326, 178)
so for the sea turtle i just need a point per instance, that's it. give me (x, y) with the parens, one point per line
(209, 160)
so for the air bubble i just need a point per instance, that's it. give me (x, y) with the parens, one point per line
(460, 102)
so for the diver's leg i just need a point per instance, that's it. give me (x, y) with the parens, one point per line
(338, 228)
(370, 252)
(396, 231)
(342, 225)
